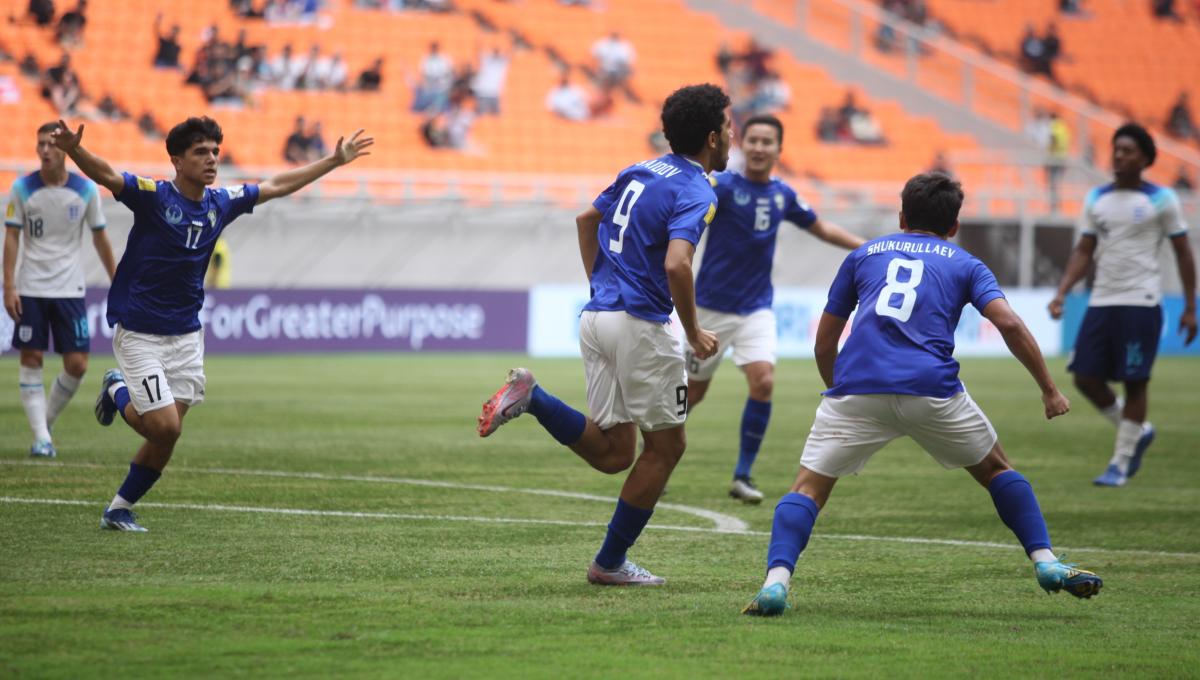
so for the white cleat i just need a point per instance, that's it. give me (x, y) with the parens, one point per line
(628, 574)
(508, 402)
(744, 490)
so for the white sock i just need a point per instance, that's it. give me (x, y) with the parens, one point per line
(118, 502)
(1113, 412)
(1128, 433)
(33, 396)
(778, 575)
(1042, 555)
(65, 386)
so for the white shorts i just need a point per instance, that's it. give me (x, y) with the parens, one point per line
(849, 430)
(161, 369)
(752, 337)
(634, 371)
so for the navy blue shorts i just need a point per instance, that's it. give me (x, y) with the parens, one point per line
(63, 318)
(1117, 343)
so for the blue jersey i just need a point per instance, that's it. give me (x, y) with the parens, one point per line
(647, 206)
(735, 274)
(159, 285)
(910, 290)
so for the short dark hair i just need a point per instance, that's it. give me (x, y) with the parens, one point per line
(690, 114)
(764, 119)
(193, 130)
(47, 128)
(1141, 137)
(931, 201)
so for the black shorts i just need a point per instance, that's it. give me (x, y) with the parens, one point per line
(1117, 343)
(64, 319)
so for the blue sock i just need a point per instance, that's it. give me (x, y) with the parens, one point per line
(626, 525)
(755, 416)
(795, 516)
(121, 399)
(1018, 507)
(138, 482)
(563, 423)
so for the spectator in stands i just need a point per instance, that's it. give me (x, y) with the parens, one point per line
(489, 80)
(295, 147)
(167, 55)
(437, 77)
(1165, 9)
(941, 164)
(1183, 181)
(308, 67)
(1039, 53)
(326, 73)
(754, 61)
(828, 125)
(614, 63)
(568, 100)
(71, 24)
(286, 69)
(60, 85)
(1073, 7)
(1056, 158)
(245, 9)
(449, 129)
(1180, 122)
(42, 11)
(314, 142)
(110, 109)
(223, 86)
(371, 78)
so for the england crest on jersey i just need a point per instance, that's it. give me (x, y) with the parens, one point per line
(73, 212)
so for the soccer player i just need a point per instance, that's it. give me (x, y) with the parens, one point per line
(1124, 226)
(733, 289)
(50, 208)
(158, 290)
(637, 242)
(896, 376)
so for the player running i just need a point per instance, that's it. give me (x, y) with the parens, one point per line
(637, 242)
(50, 209)
(1124, 225)
(158, 289)
(897, 376)
(733, 290)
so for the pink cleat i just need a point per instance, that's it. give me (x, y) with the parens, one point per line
(628, 574)
(508, 402)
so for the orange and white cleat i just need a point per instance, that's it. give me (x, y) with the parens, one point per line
(508, 402)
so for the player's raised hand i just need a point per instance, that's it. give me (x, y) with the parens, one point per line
(1056, 308)
(1187, 326)
(705, 344)
(349, 149)
(64, 139)
(1056, 404)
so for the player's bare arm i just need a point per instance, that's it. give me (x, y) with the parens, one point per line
(96, 168)
(587, 223)
(104, 252)
(1025, 348)
(12, 301)
(825, 347)
(345, 151)
(1077, 268)
(680, 280)
(1187, 276)
(835, 235)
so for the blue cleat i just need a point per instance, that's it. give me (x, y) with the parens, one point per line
(1055, 576)
(120, 519)
(42, 449)
(1143, 443)
(770, 601)
(106, 408)
(1112, 477)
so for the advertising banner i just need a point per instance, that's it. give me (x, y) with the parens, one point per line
(1171, 341)
(306, 320)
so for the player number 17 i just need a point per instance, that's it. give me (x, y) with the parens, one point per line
(624, 209)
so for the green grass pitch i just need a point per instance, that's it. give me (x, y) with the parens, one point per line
(418, 550)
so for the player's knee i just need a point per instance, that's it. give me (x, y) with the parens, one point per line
(31, 359)
(164, 433)
(762, 387)
(75, 366)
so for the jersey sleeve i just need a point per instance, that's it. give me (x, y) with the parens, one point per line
(693, 212)
(1170, 214)
(798, 212)
(242, 199)
(138, 192)
(843, 293)
(1087, 221)
(14, 213)
(94, 214)
(984, 287)
(607, 197)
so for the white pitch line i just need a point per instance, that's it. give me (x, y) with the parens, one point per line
(567, 523)
(722, 523)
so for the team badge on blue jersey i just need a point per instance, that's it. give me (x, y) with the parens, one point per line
(741, 197)
(173, 214)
